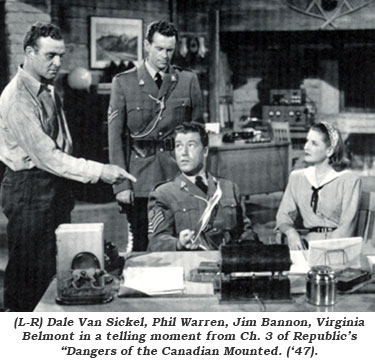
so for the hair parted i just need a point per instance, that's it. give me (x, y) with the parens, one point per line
(163, 27)
(39, 30)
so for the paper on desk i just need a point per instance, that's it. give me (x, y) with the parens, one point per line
(299, 262)
(155, 280)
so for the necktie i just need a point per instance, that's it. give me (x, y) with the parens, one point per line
(158, 79)
(315, 198)
(200, 184)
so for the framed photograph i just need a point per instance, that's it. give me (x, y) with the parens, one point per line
(114, 39)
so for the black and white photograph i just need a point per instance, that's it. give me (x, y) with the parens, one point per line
(187, 178)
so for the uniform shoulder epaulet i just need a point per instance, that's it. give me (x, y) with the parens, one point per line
(129, 71)
(163, 183)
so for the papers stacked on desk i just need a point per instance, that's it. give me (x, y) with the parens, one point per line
(155, 280)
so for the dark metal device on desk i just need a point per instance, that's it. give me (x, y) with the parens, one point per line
(253, 271)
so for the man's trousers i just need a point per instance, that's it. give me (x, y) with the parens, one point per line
(35, 203)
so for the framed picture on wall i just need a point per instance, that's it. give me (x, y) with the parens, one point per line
(114, 39)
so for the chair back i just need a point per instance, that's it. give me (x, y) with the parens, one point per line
(366, 217)
(281, 133)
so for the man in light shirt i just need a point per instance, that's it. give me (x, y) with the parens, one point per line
(146, 105)
(36, 147)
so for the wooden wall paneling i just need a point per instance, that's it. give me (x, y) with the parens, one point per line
(214, 53)
(273, 15)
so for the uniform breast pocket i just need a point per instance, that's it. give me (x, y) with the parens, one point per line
(227, 212)
(186, 215)
(139, 115)
(181, 109)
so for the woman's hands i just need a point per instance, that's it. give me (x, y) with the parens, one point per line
(294, 240)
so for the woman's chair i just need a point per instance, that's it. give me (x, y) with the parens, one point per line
(366, 218)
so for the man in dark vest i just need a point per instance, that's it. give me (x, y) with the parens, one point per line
(146, 105)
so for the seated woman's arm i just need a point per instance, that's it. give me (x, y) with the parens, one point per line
(351, 196)
(286, 215)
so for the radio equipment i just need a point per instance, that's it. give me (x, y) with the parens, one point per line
(287, 105)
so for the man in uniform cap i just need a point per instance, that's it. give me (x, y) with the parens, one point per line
(146, 105)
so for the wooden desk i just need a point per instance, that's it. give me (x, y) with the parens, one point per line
(199, 297)
(256, 168)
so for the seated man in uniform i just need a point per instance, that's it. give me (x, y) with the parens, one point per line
(195, 210)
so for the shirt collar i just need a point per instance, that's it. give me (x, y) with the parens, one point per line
(152, 70)
(310, 174)
(202, 173)
(33, 84)
(184, 179)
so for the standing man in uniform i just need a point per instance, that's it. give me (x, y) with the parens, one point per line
(195, 210)
(146, 105)
(36, 147)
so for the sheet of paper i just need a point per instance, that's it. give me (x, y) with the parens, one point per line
(155, 280)
(299, 262)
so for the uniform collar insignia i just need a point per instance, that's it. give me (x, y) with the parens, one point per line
(141, 82)
(183, 184)
(173, 78)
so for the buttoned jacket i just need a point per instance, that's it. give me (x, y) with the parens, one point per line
(140, 111)
(178, 205)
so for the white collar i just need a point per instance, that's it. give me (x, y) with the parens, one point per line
(152, 70)
(310, 175)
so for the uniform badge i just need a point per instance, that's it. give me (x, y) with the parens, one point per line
(112, 114)
(141, 82)
(155, 217)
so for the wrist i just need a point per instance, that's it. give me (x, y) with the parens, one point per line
(179, 245)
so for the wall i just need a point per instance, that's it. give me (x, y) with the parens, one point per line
(271, 46)
(274, 15)
(18, 17)
(73, 16)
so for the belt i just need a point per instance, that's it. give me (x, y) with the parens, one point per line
(144, 148)
(322, 229)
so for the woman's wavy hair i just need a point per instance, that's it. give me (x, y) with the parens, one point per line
(337, 160)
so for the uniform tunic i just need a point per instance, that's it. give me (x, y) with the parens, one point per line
(141, 121)
(178, 204)
(135, 103)
(337, 207)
